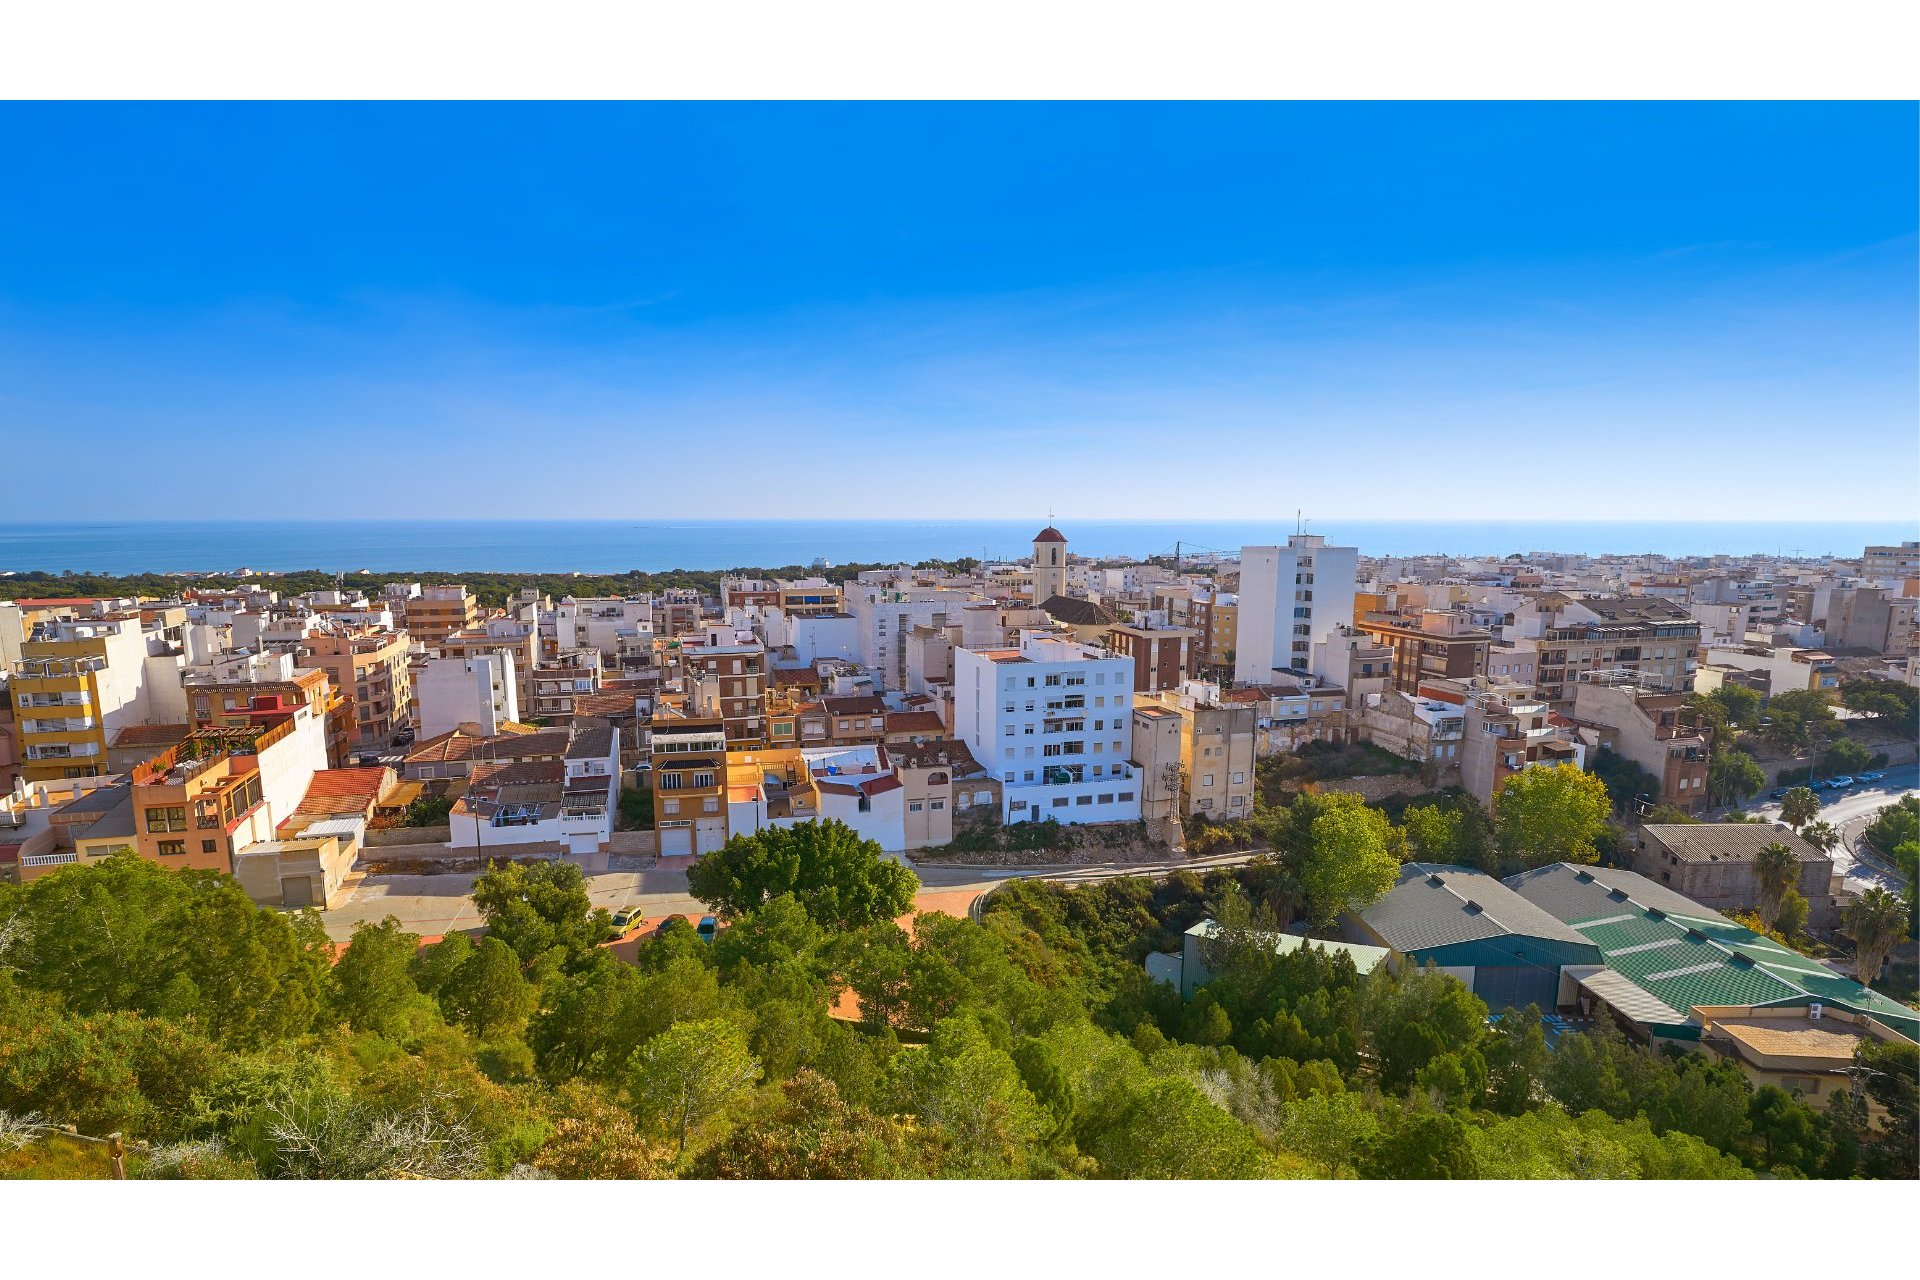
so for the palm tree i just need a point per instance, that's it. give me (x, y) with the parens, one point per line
(1877, 923)
(1821, 835)
(1775, 870)
(1798, 807)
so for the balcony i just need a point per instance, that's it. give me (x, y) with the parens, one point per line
(60, 858)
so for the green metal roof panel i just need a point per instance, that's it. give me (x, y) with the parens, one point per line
(1690, 957)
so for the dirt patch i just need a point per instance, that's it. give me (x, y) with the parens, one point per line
(1094, 844)
(1375, 789)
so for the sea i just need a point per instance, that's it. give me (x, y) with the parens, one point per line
(617, 546)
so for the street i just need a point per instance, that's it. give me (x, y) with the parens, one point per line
(1850, 812)
(439, 904)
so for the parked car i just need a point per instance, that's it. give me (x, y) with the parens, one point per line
(626, 918)
(660, 930)
(709, 925)
(1778, 793)
(1840, 783)
(1875, 776)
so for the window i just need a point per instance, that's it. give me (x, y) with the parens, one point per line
(914, 806)
(1010, 731)
(711, 805)
(1206, 780)
(938, 805)
(1011, 752)
(669, 806)
(1083, 799)
(1107, 799)
(703, 779)
(173, 818)
(1016, 804)
(1238, 802)
(1060, 802)
(1125, 796)
(209, 846)
(1238, 778)
(172, 847)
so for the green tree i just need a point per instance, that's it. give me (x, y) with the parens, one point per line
(839, 878)
(1775, 870)
(1458, 832)
(1889, 701)
(1845, 755)
(372, 987)
(1329, 1130)
(1347, 860)
(1626, 781)
(689, 1074)
(1740, 705)
(815, 1133)
(536, 908)
(1732, 776)
(1892, 1073)
(1799, 807)
(428, 811)
(1423, 1145)
(1877, 923)
(1516, 1054)
(1895, 825)
(1550, 814)
(972, 1093)
(593, 1138)
(1821, 834)
(488, 994)
(1796, 716)
(431, 966)
(1166, 1128)
(1794, 910)
(583, 1026)
(126, 933)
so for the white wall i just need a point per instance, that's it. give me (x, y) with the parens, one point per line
(450, 692)
(1270, 595)
(1012, 744)
(287, 767)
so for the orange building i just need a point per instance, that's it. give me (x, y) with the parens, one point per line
(196, 803)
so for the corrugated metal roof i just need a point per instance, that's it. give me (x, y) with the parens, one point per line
(1678, 954)
(1436, 904)
(1620, 993)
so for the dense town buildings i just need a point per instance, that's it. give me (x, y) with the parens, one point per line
(1055, 688)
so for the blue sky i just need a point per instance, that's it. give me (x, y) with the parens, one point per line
(1373, 311)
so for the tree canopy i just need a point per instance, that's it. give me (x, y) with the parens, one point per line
(837, 877)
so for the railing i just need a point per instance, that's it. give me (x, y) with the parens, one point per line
(50, 859)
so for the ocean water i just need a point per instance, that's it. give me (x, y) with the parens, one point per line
(616, 546)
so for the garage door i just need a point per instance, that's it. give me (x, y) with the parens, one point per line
(296, 892)
(675, 840)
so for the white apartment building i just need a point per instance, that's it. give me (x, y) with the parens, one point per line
(883, 617)
(621, 628)
(450, 692)
(1291, 598)
(1052, 720)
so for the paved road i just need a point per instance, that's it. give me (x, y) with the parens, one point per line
(434, 905)
(1850, 813)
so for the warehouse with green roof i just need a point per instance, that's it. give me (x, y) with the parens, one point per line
(1662, 955)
